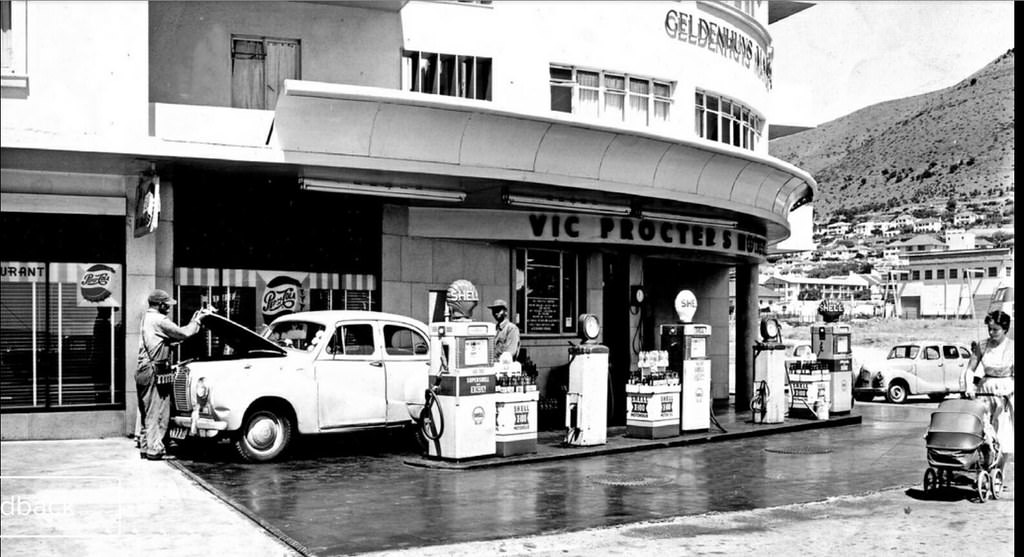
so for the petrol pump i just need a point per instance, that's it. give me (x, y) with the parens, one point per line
(586, 402)
(686, 344)
(831, 342)
(458, 419)
(768, 405)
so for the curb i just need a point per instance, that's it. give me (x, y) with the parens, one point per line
(638, 445)
(266, 526)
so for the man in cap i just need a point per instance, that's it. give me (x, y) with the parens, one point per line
(157, 335)
(506, 339)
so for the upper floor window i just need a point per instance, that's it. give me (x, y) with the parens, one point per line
(610, 96)
(451, 75)
(259, 66)
(748, 7)
(722, 119)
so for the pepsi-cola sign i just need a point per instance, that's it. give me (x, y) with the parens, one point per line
(281, 296)
(99, 285)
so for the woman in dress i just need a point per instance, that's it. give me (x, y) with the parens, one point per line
(990, 371)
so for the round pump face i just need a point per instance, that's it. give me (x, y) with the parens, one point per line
(685, 305)
(770, 330)
(589, 327)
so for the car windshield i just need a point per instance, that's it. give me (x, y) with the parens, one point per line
(906, 352)
(297, 335)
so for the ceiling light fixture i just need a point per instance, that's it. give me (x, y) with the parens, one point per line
(566, 205)
(671, 217)
(330, 186)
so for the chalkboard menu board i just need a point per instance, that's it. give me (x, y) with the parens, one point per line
(542, 315)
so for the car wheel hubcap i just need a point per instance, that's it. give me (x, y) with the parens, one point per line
(263, 433)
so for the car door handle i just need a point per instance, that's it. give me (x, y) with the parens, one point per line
(377, 363)
(247, 366)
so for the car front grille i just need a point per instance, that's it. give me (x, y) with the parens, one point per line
(182, 400)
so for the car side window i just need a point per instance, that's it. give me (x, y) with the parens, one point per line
(352, 340)
(931, 353)
(403, 341)
(950, 352)
(964, 353)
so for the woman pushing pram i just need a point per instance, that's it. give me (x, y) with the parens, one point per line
(990, 376)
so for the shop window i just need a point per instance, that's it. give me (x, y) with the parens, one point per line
(724, 120)
(548, 292)
(259, 66)
(610, 96)
(255, 298)
(62, 339)
(13, 33)
(450, 75)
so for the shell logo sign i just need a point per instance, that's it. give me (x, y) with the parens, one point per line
(99, 285)
(461, 298)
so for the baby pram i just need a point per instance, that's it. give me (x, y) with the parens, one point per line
(962, 449)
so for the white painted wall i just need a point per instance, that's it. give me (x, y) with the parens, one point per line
(525, 38)
(86, 67)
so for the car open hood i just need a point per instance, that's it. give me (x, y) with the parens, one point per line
(241, 339)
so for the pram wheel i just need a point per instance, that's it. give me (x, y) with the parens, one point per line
(997, 483)
(984, 486)
(931, 480)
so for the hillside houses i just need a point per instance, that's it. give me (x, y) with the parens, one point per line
(965, 218)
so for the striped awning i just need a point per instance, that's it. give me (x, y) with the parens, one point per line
(248, 278)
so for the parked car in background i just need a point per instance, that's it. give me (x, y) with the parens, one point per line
(932, 368)
(307, 373)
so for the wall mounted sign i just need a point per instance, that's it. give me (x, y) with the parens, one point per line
(99, 285)
(476, 224)
(720, 39)
(147, 204)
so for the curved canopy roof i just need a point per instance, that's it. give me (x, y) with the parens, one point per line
(328, 126)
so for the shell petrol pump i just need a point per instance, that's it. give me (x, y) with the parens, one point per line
(831, 343)
(686, 344)
(586, 402)
(458, 418)
(768, 405)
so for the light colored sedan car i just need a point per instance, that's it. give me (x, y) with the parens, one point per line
(309, 372)
(932, 368)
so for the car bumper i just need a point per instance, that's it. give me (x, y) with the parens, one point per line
(205, 427)
(868, 391)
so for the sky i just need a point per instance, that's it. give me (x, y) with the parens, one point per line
(840, 56)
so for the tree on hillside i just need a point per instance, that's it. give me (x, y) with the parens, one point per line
(810, 293)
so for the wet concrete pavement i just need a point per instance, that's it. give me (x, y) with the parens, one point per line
(364, 496)
(355, 494)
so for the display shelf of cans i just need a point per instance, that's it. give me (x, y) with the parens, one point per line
(515, 401)
(809, 384)
(652, 398)
(652, 370)
(515, 384)
(807, 370)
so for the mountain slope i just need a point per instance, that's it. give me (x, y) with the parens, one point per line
(955, 141)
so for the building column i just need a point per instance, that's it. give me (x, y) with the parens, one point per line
(746, 332)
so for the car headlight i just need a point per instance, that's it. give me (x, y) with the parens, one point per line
(202, 391)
